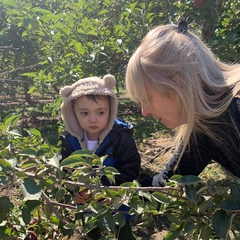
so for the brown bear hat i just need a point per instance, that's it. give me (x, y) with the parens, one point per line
(87, 86)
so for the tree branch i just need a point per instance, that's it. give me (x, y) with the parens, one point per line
(18, 68)
(51, 205)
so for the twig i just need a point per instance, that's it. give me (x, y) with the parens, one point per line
(51, 205)
(144, 189)
(7, 47)
(12, 80)
(63, 205)
(164, 150)
(18, 68)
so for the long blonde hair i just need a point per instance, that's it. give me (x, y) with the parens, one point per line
(206, 88)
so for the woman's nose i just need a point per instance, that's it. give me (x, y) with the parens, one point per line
(145, 112)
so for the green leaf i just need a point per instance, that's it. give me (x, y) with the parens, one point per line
(4, 180)
(110, 170)
(189, 227)
(172, 235)
(230, 204)
(5, 207)
(120, 219)
(236, 223)
(11, 3)
(4, 152)
(70, 226)
(35, 132)
(28, 152)
(28, 164)
(160, 197)
(13, 161)
(15, 132)
(191, 192)
(235, 191)
(74, 161)
(47, 17)
(202, 190)
(26, 215)
(20, 174)
(13, 12)
(90, 225)
(47, 210)
(59, 195)
(107, 222)
(83, 175)
(5, 165)
(128, 184)
(77, 46)
(206, 232)
(29, 74)
(204, 207)
(174, 219)
(111, 178)
(11, 120)
(187, 179)
(3, 231)
(32, 204)
(85, 153)
(221, 223)
(54, 161)
(55, 220)
(31, 190)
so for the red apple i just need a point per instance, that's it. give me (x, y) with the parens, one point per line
(198, 3)
(31, 236)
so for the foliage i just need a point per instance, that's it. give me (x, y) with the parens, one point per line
(196, 209)
(47, 44)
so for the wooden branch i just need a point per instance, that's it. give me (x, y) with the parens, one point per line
(51, 205)
(18, 68)
(144, 189)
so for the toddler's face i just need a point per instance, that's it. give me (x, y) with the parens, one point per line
(92, 115)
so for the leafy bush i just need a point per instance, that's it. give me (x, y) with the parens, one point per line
(45, 208)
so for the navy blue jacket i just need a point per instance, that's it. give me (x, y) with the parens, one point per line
(120, 147)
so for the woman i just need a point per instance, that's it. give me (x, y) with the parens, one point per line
(177, 80)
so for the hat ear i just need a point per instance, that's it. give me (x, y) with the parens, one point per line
(66, 91)
(109, 80)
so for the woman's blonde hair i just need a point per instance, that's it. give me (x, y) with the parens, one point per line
(205, 86)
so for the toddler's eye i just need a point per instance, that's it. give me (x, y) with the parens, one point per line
(100, 113)
(84, 113)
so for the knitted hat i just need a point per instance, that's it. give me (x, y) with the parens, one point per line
(87, 86)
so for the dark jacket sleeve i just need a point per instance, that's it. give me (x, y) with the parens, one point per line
(128, 158)
(192, 162)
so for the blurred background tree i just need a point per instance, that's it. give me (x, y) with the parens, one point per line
(47, 44)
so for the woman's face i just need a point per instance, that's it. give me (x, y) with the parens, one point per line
(164, 108)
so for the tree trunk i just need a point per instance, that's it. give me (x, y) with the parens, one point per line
(27, 95)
